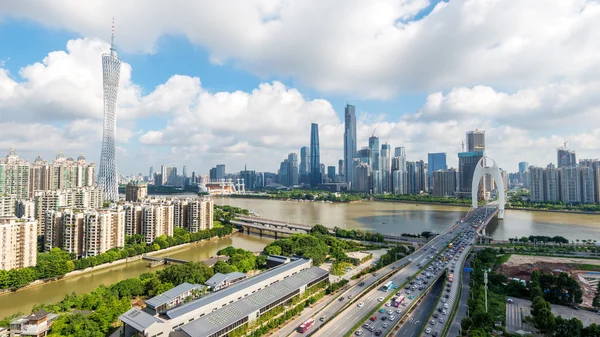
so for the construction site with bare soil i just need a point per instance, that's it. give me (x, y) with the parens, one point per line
(585, 271)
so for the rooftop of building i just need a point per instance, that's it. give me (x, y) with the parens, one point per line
(201, 302)
(278, 258)
(138, 319)
(215, 321)
(171, 294)
(219, 278)
(357, 255)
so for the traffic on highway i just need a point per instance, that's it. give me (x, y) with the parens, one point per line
(417, 263)
(441, 260)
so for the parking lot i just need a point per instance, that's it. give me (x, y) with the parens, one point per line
(521, 308)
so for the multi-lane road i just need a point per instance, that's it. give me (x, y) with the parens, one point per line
(414, 323)
(354, 314)
(333, 320)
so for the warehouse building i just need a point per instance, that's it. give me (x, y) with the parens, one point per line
(248, 309)
(138, 322)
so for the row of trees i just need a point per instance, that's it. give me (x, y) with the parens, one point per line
(57, 262)
(540, 239)
(356, 234)
(239, 260)
(425, 198)
(300, 194)
(557, 326)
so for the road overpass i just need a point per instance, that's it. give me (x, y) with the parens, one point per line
(276, 227)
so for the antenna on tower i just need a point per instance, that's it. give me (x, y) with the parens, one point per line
(565, 144)
(373, 135)
(112, 38)
(462, 146)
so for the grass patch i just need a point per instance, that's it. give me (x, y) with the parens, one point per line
(217, 224)
(501, 259)
(339, 268)
(589, 267)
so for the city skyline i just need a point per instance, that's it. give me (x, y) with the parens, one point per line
(167, 102)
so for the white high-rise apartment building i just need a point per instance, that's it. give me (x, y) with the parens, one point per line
(84, 198)
(180, 212)
(7, 205)
(72, 223)
(62, 173)
(537, 184)
(551, 187)
(14, 176)
(588, 193)
(133, 219)
(103, 230)
(570, 184)
(18, 243)
(157, 220)
(200, 215)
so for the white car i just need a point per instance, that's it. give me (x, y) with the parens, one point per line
(409, 259)
(427, 331)
(398, 311)
(380, 299)
(358, 332)
(360, 304)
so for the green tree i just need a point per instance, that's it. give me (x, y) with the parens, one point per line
(192, 272)
(273, 249)
(223, 267)
(319, 229)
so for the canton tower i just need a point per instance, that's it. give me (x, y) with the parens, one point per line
(111, 69)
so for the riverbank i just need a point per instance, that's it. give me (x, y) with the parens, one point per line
(527, 209)
(422, 202)
(116, 263)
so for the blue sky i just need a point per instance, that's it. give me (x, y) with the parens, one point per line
(420, 78)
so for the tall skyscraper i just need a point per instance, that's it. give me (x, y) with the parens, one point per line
(349, 140)
(565, 158)
(341, 168)
(475, 140)
(435, 162)
(184, 171)
(444, 183)
(523, 166)
(151, 173)
(315, 156)
(467, 161)
(385, 166)
(551, 187)
(293, 169)
(374, 147)
(399, 152)
(108, 179)
(331, 173)
(420, 176)
(537, 184)
(304, 161)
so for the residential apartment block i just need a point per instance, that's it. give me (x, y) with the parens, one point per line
(18, 243)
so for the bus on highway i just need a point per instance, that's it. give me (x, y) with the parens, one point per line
(388, 286)
(398, 301)
(306, 325)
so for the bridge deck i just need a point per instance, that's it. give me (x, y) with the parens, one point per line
(263, 227)
(274, 222)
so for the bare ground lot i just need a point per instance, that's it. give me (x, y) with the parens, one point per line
(521, 266)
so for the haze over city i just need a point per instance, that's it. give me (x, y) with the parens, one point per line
(244, 89)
